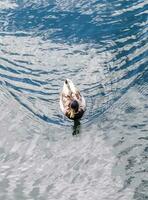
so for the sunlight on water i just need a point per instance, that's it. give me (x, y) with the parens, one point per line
(5, 4)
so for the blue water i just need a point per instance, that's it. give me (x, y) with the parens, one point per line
(103, 47)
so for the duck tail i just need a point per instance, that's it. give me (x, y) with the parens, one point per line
(71, 87)
(66, 87)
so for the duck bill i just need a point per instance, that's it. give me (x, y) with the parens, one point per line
(72, 113)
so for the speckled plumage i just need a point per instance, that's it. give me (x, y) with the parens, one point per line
(68, 94)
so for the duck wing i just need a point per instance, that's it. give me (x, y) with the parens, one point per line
(65, 101)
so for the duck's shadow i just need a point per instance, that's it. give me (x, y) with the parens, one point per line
(76, 127)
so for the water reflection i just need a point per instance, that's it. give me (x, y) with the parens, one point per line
(76, 127)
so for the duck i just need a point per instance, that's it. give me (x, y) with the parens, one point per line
(72, 102)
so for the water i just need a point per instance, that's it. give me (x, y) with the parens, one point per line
(102, 47)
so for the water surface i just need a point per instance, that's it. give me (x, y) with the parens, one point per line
(102, 47)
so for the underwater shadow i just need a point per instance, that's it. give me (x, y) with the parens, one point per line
(76, 127)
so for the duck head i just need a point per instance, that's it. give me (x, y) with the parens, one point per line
(74, 107)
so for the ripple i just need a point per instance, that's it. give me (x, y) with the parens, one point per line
(4, 4)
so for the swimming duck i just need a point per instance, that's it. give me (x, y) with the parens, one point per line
(72, 103)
